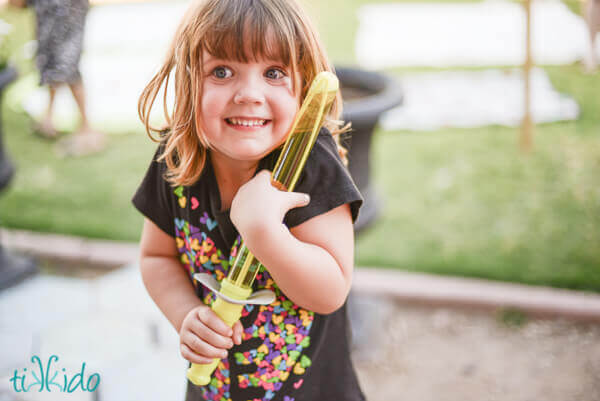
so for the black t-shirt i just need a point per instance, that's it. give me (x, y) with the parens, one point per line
(288, 353)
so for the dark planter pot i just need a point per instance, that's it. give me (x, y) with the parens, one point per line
(366, 96)
(13, 268)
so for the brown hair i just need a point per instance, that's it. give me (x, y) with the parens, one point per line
(222, 27)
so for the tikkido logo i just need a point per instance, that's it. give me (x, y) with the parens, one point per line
(45, 378)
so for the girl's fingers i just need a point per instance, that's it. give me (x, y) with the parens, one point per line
(264, 175)
(238, 330)
(210, 319)
(209, 335)
(296, 199)
(201, 347)
(193, 357)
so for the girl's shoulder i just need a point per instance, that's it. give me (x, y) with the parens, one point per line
(162, 201)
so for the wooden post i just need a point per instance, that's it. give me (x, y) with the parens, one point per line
(526, 140)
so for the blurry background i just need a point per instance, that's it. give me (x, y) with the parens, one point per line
(460, 195)
(460, 198)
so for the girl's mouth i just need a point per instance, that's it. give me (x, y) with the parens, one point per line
(246, 122)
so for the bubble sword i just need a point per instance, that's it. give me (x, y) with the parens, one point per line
(236, 289)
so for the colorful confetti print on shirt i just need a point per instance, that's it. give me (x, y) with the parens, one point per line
(219, 386)
(198, 252)
(284, 329)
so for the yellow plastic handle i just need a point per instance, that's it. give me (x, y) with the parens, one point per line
(230, 313)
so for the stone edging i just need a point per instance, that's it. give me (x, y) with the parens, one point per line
(481, 294)
(69, 248)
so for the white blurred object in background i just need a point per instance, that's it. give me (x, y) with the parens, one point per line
(476, 98)
(471, 34)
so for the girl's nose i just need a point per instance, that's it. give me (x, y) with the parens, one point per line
(249, 92)
(248, 96)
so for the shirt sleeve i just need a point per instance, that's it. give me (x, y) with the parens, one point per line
(154, 197)
(327, 181)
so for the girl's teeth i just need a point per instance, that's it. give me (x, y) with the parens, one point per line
(246, 123)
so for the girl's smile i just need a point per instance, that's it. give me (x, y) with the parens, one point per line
(246, 122)
(247, 108)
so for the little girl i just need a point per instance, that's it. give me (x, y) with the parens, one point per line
(242, 69)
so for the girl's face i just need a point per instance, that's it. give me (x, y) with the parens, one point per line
(246, 108)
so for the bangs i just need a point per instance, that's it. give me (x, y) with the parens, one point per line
(246, 34)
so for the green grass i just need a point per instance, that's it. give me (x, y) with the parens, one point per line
(462, 202)
(469, 203)
(85, 196)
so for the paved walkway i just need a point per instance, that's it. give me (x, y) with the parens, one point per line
(109, 323)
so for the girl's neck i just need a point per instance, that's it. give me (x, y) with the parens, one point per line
(230, 176)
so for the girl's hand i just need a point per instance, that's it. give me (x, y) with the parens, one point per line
(204, 336)
(258, 194)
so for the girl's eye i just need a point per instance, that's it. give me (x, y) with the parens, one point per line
(222, 72)
(275, 73)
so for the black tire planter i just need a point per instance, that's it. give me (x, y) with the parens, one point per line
(13, 268)
(367, 95)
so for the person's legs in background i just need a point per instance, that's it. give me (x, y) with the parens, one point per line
(46, 127)
(85, 140)
(60, 30)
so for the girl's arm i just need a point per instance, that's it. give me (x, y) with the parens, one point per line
(312, 263)
(202, 334)
(163, 276)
